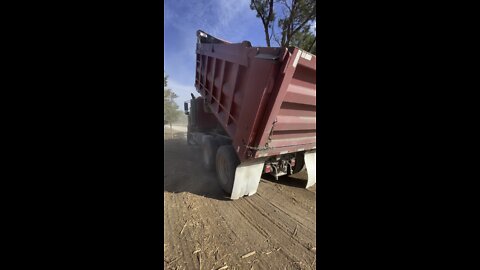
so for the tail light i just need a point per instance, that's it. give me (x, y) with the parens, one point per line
(268, 168)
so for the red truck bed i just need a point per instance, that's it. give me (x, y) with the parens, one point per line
(265, 98)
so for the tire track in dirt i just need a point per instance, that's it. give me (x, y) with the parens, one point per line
(290, 246)
(298, 232)
(257, 239)
(169, 253)
(278, 216)
(188, 241)
(224, 230)
(186, 235)
(294, 213)
(217, 246)
(206, 232)
(225, 252)
(288, 219)
(179, 248)
(223, 247)
(306, 215)
(242, 233)
(300, 195)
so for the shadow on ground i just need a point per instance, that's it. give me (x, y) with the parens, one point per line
(298, 180)
(183, 171)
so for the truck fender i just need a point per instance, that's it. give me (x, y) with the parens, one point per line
(311, 166)
(247, 178)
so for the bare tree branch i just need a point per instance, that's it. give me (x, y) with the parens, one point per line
(266, 17)
(259, 13)
(292, 27)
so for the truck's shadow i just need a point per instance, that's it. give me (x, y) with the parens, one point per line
(292, 181)
(183, 171)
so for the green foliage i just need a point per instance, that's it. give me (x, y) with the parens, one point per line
(266, 13)
(293, 26)
(305, 40)
(170, 109)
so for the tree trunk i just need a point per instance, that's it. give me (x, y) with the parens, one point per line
(311, 46)
(269, 20)
(267, 37)
(171, 130)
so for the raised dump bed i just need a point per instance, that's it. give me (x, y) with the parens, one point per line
(256, 113)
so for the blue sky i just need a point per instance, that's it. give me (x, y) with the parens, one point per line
(231, 20)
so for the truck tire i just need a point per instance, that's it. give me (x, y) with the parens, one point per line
(299, 163)
(209, 151)
(189, 138)
(227, 162)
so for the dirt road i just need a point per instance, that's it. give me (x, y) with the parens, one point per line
(203, 229)
(175, 128)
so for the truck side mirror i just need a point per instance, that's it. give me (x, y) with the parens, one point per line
(185, 108)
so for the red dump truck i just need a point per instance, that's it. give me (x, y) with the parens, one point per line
(256, 112)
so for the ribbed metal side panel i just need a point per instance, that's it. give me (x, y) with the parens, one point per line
(296, 119)
(264, 98)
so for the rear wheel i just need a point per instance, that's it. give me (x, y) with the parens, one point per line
(209, 149)
(226, 163)
(189, 138)
(299, 163)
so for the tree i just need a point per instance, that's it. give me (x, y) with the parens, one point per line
(170, 109)
(305, 40)
(264, 9)
(294, 25)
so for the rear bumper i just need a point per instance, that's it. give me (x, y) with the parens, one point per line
(285, 150)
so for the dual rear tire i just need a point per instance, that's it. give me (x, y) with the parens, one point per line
(221, 158)
(209, 150)
(189, 137)
(299, 163)
(226, 164)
